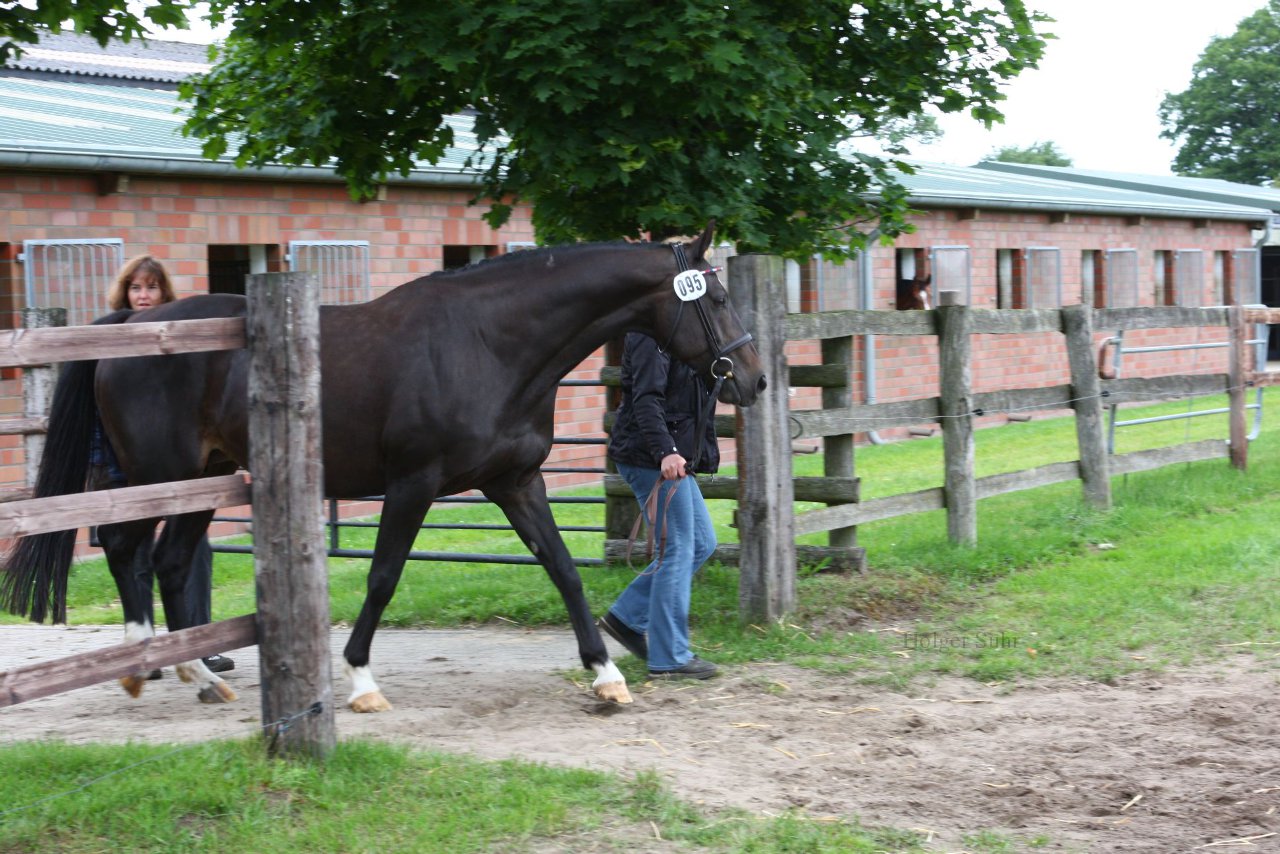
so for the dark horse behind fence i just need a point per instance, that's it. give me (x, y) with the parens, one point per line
(445, 384)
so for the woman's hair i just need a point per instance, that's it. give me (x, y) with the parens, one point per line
(118, 295)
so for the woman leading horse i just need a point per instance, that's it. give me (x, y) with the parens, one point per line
(445, 384)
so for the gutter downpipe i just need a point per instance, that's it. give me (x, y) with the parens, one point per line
(1263, 331)
(869, 339)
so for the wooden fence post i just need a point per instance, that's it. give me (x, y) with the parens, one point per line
(956, 404)
(288, 510)
(837, 451)
(37, 388)
(766, 513)
(1086, 391)
(1238, 372)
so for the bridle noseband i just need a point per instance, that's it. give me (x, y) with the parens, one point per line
(721, 365)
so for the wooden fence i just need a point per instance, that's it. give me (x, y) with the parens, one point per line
(291, 625)
(768, 592)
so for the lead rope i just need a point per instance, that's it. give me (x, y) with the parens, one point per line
(650, 514)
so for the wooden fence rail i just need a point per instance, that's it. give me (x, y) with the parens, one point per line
(291, 625)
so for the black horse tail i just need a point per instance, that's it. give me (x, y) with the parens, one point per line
(34, 581)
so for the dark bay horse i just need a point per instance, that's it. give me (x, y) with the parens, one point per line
(445, 384)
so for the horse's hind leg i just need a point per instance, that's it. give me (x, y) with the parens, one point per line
(127, 546)
(173, 559)
(526, 507)
(403, 510)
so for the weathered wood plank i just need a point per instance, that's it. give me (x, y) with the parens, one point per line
(841, 324)
(1263, 379)
(1241, 362)
(38, 383)
(25, 347)
(767, 576)
(956, 408)
(821, 489)
(23, 426)
(861, 418)
(1262, 315)
(289, 558)
(826, 518)
(1091, 440)
(1157, 317)
(33, 681)
(1006, 321)
(67, 512)
(1017, 481)
(1023, 399)
(1191, 452)
(1142, 389)
(838, 453)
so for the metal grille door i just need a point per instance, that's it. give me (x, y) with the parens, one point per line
(343, 267)
(949, 266)
(1246, 281)
(1121, 271)
(71, 274)
(839, 285)
(1188, 277)
(1044, 277)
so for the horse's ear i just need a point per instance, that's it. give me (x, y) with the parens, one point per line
(703, 243)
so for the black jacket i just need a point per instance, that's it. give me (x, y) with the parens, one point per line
(659, 410)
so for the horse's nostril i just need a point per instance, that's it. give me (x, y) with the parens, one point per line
(760, 386)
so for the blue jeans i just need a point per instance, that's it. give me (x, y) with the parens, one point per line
(656, 603)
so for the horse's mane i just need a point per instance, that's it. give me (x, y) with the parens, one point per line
(525, 256)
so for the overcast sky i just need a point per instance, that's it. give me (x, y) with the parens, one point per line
(1097, 90)
(1100, 83)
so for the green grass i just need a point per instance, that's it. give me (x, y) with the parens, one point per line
(1177, 572)
(1180, 571)
(228, 796)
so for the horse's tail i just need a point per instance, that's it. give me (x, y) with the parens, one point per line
(34, 581)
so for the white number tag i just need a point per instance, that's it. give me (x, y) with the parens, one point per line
(690, 285)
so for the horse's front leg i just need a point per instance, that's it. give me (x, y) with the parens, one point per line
(127, 546)
(403, 509)
(526, 507)
(174, 556)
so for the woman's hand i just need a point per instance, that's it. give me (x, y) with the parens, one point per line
(673, 467)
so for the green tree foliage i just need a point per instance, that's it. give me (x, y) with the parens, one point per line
(1039, 153)
(22, 24)
(1226, 119)
(617, 118)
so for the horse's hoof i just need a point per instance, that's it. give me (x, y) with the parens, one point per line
(218, 692)
(371, 702)
(133, 684)
(613, 692)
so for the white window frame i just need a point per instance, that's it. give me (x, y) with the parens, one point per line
(73, 273)
(342, 265)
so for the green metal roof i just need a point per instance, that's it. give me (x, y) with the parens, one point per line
(52, 124)
(1202, 189)
(937, 185)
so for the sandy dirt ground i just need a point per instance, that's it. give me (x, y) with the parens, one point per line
(1164, 763)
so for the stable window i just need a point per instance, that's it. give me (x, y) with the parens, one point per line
(1188, 278)
(1043, 266)
(838, 284)
(456, 256)
(1120, 278)
(342, 266)
(1243, 279)
(1162, 278)
(950, 268)
(74, 274)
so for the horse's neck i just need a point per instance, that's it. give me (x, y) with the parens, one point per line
(558, 319)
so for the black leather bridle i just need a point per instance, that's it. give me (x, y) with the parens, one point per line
(721, 365)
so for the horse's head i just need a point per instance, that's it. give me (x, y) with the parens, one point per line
(699, 326)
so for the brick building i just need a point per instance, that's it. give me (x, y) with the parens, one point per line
(93, 170)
